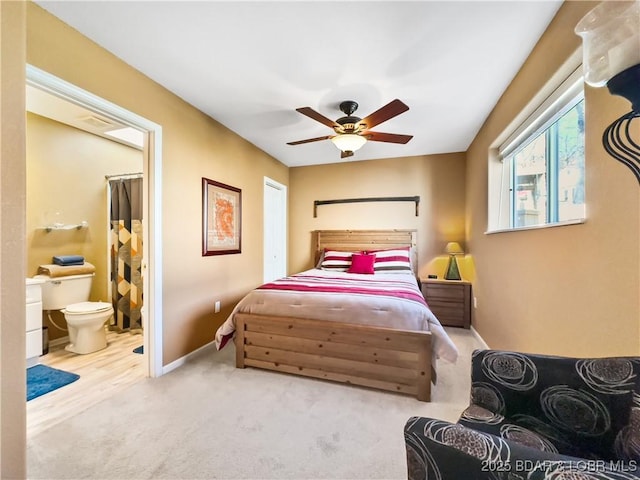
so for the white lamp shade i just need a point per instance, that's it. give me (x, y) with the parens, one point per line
(349, 142)
(610, 40)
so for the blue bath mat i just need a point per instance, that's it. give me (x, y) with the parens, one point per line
(42, 379)
(139, 349)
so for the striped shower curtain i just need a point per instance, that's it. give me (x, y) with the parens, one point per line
(126, 253)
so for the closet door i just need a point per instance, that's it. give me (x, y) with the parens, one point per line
(275, 230)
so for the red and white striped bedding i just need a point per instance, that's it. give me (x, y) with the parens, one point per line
(370, 285)
(386, 300)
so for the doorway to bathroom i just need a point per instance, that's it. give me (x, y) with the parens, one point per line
(151, 312)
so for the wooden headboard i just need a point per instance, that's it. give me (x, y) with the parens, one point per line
(354, 240)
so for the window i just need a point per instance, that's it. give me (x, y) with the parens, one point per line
(542, 164)
(547, 180)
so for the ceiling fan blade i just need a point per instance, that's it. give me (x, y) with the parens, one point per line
(390, 110)
(311, 113)
(346, 154)
(386, 137)
(309, 140)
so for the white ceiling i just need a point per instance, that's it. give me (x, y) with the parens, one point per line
(49, 105)
(249, 65)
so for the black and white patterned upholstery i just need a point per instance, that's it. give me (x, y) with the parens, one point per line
(535, 417)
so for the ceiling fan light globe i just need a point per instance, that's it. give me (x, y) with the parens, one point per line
(348, 142)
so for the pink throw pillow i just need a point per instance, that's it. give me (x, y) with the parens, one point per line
(362, 263)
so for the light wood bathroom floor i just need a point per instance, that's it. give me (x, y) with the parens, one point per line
(102, 375)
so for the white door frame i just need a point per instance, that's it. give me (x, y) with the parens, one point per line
(268, 182)
(152, 199)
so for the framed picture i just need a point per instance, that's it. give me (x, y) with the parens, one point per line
(221, 218)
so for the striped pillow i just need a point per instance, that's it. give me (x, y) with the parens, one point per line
(393, 260)
(336, 261)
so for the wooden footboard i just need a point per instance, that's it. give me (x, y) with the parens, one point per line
(376, 357)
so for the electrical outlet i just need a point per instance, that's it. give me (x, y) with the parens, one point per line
(475, 302)
(217, 307)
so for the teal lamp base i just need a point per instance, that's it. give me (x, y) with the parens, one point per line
(452, 270)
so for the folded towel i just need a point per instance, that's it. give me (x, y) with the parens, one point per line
(68, 260)
(67, 264)
(63, 271)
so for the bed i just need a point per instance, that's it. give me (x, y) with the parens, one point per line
(369, 330)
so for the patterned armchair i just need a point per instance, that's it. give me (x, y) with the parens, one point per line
(535, 417)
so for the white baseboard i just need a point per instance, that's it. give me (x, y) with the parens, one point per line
(479, 338)
(59, 341)
(182, 360)
(165, 369)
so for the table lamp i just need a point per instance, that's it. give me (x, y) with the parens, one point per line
(453, 249)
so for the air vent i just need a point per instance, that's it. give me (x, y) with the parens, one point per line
(96, 122)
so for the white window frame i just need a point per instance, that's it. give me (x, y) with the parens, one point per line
(565, 97)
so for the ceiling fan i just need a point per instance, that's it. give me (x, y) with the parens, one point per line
(353, 132)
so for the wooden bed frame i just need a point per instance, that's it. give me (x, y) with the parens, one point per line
(369, 356)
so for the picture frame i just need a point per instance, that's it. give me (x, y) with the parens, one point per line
(221, 218)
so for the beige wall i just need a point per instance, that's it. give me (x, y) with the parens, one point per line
(438, 179)
(194, 146)
(568, 290)
(12, 246)
(66, 170)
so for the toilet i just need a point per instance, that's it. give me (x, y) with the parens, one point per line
(85, 319)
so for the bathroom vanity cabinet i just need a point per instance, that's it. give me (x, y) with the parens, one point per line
(34, 320)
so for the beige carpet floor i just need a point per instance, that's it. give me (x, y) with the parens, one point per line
(209, 420)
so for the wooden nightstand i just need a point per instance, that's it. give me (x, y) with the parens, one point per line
(449, 300)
